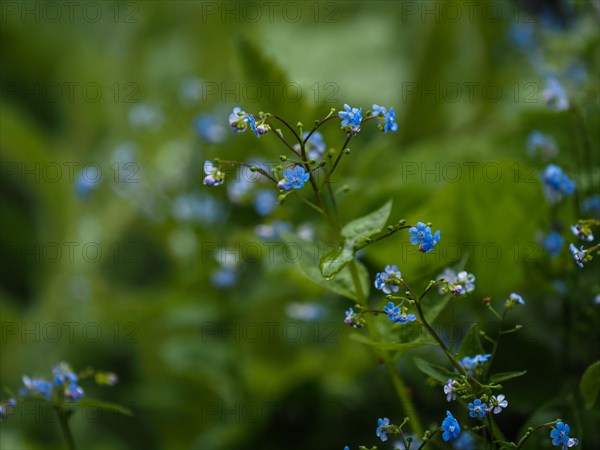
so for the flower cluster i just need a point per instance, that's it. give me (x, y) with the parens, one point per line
(353, 319)
(388, 281)
(240, 120)
(422, 236)
(293, 178)
(351, 119)
(556, 183)
(461, 283)
(397, 314)
(388, 118)
(214, 177)
(472, 364)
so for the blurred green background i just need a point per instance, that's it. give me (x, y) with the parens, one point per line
(115, 256)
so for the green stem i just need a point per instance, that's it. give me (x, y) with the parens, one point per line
(63, 420)
(495, 348)
(397, 381)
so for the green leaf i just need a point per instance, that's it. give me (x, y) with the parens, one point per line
(335, 260)
(308, 263)
(589, 386)
(390, 345)
(107, 406)
(436, 372)
(360, 229)
(471, 344)
(503, 376)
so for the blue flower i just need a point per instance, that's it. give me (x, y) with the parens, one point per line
(73, 392)
(396, 315)
(499, 403)
(421, 235)
(63, 375)
(472, 363)
(450, 427)
(556, 183)
(516, 299)
(388, 123)
(238, 120)
(252, 123)
(464, 442)
(464, 283)
(388, 281)
(540, 144)
(209, 128)
(553, 243)
(265, 202)
(214, 177)
(477, 409)
(382, 429)
(351, 119)
(449, 390)
(560, 434)
(225, 277)
(293, 178)
(555, 95)
(591, 205)
(315, 146)
(37, 386)
(578, 255)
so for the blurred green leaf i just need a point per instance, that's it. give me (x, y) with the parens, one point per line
(436, 372)
(391, 345)
(589, 386)
(87, 402)
(471, 344)
(503, 376)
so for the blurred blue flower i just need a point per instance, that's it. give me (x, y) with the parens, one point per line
(272, 231)
(293, 178)
(553, 243)
(147, 117)
(555, 95)
(214, 177)
(6, 407)
(450, 427)
(464, 442)
(209, 128)
(265, 202)
(36, 386)
(88, 180)
(578, 255)
(556, 183)
(351, 119)
(591, 205)
(315, 146)
(225, 277)
(541, 145)
(305, 312)
(195, 207)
